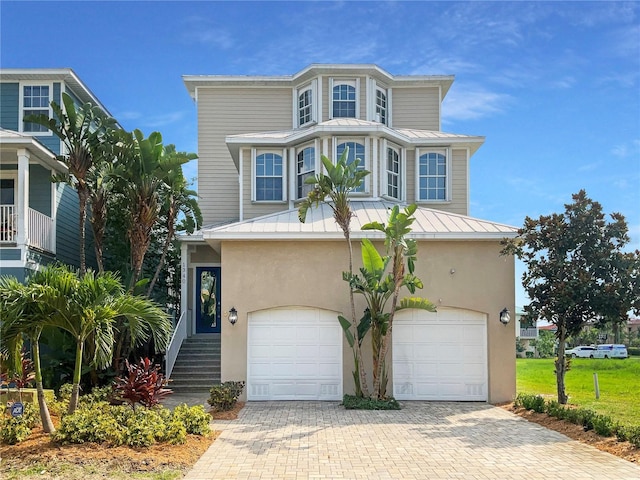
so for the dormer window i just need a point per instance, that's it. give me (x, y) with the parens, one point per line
(305, 106)
(432, 176)
(344, 96)
(381, 106)
(35, 101)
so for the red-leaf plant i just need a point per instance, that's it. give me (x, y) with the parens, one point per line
(144, 384)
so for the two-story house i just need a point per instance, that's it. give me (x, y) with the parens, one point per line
(38, 218)
(272, 287)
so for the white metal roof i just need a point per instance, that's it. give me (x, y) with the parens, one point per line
(430, 224)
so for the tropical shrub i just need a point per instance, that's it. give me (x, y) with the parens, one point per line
(195, 419)
(352, 402)
(16, 429)
(143, 385)
(224, 396)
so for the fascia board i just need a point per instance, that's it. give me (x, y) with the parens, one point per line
(37, 149)
(304, 236)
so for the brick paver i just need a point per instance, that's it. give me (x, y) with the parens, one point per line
(444, 440)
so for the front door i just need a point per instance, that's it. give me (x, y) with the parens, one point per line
(208, 310)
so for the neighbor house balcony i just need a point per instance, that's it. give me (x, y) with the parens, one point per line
(531, 332)
(36, 231)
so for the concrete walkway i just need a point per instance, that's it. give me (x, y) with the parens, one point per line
(321, 440)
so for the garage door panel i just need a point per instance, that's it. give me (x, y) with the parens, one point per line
(294, 354)
(440, 356)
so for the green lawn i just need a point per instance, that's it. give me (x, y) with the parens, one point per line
(619, 384)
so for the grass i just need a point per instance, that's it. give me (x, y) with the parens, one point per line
(71, 471)
(619, 384)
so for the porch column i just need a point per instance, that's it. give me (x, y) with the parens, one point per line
(22, 198)
(54, 212)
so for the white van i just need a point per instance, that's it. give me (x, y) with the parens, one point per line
(611, 351)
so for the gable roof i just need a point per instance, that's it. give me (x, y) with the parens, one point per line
(430, 224)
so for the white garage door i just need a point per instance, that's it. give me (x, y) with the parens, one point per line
(440, 356)
(294, 354)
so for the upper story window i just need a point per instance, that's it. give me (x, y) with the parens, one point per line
(356, 150)
(305, 168)
(393, 173)
(432, 176)
(344, 104)
(269, 177)
(35, 101)
(305, 106)
(381, 106)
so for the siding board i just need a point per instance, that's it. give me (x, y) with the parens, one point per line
(9, 103)
(417, 108)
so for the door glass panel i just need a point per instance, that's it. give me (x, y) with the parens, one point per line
(208, 298)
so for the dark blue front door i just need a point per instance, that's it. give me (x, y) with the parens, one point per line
(208, 310)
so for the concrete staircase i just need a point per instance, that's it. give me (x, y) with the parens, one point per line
(197, 367)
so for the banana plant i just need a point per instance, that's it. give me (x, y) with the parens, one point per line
(380, 281)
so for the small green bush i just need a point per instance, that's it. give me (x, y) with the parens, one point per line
(195, 419)
(13, 430)
(351, 402)
(629, 433)
(91, 423)
(603, 425)
(530, 402)
(224, 396)
(554, 409)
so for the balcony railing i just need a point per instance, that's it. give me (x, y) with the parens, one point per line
(529, 332)
(40, 228)
(8, 224)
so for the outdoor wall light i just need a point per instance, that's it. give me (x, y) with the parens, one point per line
(233, 316)
(505, 317)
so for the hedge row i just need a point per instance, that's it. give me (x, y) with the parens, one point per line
(601, 424)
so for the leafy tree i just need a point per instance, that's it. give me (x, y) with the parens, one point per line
(544, 344)
(87, 307)
(176, 199)
(567, 256)
(333, 188)
(24, 316)
(380, 281)
(83, 131)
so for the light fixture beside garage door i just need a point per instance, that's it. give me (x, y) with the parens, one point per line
(233, 316)
(505, 316)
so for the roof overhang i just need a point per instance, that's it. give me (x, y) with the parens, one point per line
(343, 127)
(193, 82)
(66, 75)
(14, 141)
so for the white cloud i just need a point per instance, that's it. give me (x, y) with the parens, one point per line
(469, 103)
(206, 32)
(625, 150)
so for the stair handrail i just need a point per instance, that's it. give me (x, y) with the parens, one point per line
(179, 335)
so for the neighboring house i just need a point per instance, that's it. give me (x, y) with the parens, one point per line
(259, 138)
(525, 334)
(38, 218)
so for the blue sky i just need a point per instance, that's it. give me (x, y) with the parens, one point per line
(554, 86)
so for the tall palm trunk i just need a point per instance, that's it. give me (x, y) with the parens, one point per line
(77, 374)
(83, 197)
(45, 417)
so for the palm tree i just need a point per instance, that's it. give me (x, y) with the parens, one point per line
(341, 179)
(146, 164)
(87, 306)
(82, 131)
(23, 316)
(176, 198)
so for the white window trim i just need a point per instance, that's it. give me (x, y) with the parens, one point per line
(254, 154)
(313, 87)
(367, 153)
(446, 151)
(48, 133)
(334, 82)
(295, 175)
(401, 172)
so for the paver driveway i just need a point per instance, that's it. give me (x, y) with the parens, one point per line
(321, 440)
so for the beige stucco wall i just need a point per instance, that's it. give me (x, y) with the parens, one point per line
(261, 275)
